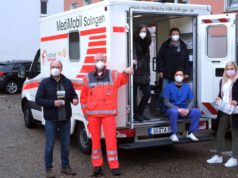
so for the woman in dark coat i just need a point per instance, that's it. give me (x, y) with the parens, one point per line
(228, 96)
(141, 56)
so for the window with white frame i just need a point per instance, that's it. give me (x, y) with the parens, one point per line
(74, 5)
(74, 48)
(217, 41)
(87, 2)
(43, 6)
(231, 5)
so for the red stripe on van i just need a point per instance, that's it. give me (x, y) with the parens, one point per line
(55, 37)
(80, 75)
(223, 20)
(96, 50)
(119, 29)
(30, 85)
(207, 21)
(210, 108)
(97, 37)
(86, 69)
(90, 59)
(93, 31)
(77, 85)
(97, 43)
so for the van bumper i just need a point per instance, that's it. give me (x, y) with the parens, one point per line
(157, 143)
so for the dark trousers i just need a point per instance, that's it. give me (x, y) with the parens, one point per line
(160, 103)
(50, 133)
(146, 90)
(224, 125)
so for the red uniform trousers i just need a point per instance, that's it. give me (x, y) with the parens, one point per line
(109, 128)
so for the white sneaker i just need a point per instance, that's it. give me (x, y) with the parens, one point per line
(215, 159)
(192, 137)
(231, 162)
(174, 138)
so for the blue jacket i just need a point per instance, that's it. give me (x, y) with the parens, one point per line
(47, 94)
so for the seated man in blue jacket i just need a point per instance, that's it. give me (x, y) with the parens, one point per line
(55, 94)
(179, 101)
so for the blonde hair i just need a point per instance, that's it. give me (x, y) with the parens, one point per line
(225, 77)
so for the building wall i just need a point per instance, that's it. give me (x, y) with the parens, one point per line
(20, 27)
(217, 5)
(68, 3)
(55, 6)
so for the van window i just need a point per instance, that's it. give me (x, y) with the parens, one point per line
(74, 5)
(87, 2)
(74, 53)
(231, 5)
(217, 41)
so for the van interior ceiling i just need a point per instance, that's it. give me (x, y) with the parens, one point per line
(159, 26)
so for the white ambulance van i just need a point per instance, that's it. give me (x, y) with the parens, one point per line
(75, 36)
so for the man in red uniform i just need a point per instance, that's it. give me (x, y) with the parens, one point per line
(99, 105)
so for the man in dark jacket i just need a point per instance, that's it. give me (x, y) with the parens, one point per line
(172, 55)
(55, 94)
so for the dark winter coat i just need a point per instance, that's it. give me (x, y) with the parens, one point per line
(170, 58)
(234, 93)
(142, 56)
(47, 94)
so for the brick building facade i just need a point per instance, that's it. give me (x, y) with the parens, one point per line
(218, 6)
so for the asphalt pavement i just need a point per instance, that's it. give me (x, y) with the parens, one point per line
(21, 154)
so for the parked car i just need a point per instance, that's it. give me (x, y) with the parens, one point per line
(13, 74)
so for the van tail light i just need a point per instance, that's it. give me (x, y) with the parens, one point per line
(126, 132)
(2, 74)
(203, 125)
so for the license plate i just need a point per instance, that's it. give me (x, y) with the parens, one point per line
(159, 130)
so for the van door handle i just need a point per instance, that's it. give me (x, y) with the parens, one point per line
(216, 61)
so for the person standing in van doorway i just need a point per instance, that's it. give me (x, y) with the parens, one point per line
(228, 96)
(172, 55)
(141, 78)
(99, 104)
(55, 94)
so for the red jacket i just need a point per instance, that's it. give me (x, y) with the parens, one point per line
(99, 93)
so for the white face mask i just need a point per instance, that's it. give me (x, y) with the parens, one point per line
(142, 35)
(55, 72)
(100, 65)
(175, 37)
(230, 73)
(178, 79)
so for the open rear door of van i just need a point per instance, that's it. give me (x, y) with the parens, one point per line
(216, 47)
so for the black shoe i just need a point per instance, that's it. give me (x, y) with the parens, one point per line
(116, 172)
(50, 174)
(68, 171)
(97, 171)
(138, 118)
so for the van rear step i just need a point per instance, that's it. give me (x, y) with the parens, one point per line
(150, 144)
